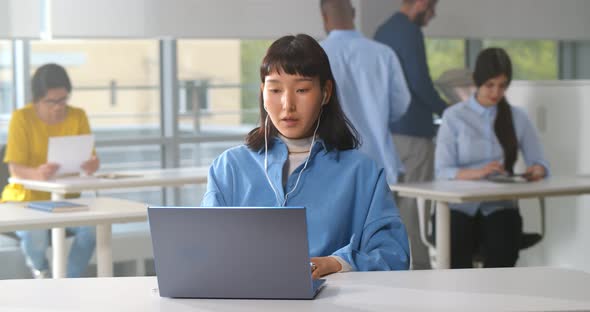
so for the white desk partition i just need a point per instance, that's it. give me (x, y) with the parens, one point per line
(102, 213)
(559, 110)
(509, 289)
(454, 191)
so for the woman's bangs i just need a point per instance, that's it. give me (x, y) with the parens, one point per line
(290, 63)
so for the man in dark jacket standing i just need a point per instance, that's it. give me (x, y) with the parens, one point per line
(413, 134)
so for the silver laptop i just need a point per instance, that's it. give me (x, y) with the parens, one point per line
(232, 252)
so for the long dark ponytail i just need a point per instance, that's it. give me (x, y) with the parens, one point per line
(491, 63)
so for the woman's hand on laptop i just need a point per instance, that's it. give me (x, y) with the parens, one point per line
(324, 266)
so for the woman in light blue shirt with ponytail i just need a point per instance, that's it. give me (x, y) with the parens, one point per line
(304, 154)
(479, 138)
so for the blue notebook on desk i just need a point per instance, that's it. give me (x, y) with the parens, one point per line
(57, 206)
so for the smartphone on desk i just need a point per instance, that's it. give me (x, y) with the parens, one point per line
(507, 178)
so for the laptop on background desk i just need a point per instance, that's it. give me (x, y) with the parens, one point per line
(232, 252)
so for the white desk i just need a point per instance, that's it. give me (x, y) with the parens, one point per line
(102, 212)
(130, 179)
(511, 289)
(454, 191)
(136, 178)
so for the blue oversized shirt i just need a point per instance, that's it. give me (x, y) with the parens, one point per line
(350, 209)
(407, 40)
(467, 140)
(372, 91)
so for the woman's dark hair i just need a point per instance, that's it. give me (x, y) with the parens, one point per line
(491, 63)
(49, 76)
(302, 55)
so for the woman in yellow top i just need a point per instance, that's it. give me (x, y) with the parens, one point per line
(26, 156)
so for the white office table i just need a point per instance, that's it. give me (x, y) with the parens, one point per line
(124, 179)
(510, 289)
(102, 213)
(455, 191)
(127, 179)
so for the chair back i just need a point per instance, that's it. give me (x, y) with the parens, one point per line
(4, 172)
(4, 175)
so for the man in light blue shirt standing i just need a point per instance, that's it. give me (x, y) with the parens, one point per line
(371, 85)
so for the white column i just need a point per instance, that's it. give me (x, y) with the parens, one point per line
(169, 108)
(443, 236)
(104, 254)
(21, 93)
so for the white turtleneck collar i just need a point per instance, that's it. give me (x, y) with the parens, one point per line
(298, 152)
(297, 145)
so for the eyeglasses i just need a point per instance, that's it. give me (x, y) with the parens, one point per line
(54, 102)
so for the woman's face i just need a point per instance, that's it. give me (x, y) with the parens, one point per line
(52, 107)
(492, 91)
(293, 103)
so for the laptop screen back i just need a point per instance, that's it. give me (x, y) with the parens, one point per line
(231, 252)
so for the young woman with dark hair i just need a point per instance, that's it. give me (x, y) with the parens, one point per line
(303, 154)
(479, 138)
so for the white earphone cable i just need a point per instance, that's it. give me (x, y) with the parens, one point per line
(306, 161)
(278, 197)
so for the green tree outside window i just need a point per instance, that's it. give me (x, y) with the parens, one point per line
(531, 59)
(444, 54)
(252, 52)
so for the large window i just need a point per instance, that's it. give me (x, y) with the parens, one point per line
(582, 60)
(444, 54)
(114, 81)
(117, 83)
(5, 104)
(203, 154)
(531, 59)
(199, 154)
(6, 86)
(219, 85)
(252, 52)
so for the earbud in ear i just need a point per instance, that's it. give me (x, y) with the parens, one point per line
(265, 108)
(325, 98)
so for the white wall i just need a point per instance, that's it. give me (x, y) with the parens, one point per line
(518, 19)
(185, 18)
(5, 20)
(560, 110)
(374, 12)
(545, 19)
(550, 19)
(20, 18)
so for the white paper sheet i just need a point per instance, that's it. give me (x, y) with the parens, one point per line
(70, 152)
